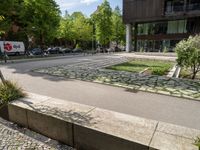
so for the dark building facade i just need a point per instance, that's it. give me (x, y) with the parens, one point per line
(155, 25)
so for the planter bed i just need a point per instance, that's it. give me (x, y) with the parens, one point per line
(155, 67)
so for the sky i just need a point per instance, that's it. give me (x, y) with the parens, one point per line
(85, 6)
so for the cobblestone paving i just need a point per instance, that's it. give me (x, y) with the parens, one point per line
(93, 71)
(12, 137)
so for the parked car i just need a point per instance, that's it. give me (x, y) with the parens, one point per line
(54, 50)
(66, 50)
(77, 50)
(37, 51)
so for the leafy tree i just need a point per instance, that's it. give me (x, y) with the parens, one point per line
(41, 18)
(9, 15)
(103, 23)
(188, 52)
(75, 27)
(118, 26)
(81, 27)
(65, 29)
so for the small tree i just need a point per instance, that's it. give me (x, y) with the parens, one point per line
(188, 52)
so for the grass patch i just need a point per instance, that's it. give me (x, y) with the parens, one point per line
(155, 67)
(9, 92)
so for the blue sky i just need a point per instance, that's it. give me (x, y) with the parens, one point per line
(86, 6)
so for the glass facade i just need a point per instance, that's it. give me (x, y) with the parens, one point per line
(156, 45)
(148, 32)
(174, 6)
(167, 27)
(193, 5)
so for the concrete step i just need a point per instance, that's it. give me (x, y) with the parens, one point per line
(88, 128)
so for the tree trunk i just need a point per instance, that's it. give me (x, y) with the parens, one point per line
(2, 78)
(194, 73)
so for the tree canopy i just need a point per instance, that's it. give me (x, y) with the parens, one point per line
(188, 52)
(103, 23)
(41, 21)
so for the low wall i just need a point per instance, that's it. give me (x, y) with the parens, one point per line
(89, 128)
(156, 54)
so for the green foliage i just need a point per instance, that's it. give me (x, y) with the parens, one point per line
(75, 27)
(188, 52)
(42, 18)
(38, 18)
(197, 142)
(41, 21)
(103, 23)
(10, 91)
(154, 67)
(118, 26)
(78, 46)
(165, 50)
(160, 71)
(8, 14)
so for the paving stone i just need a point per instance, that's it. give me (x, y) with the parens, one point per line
(13, 137)
(95, 72)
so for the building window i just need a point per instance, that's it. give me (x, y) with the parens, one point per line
(172, 6)
(170, 27)
(193, 5)
(156, 45)
(178, 26)
(143, 29)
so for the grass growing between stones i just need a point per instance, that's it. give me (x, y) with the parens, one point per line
(9, 92)
(155, 67)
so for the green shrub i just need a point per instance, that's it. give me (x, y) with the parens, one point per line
(197, 142)
(10, 91)
(159, 72)
(188, 52)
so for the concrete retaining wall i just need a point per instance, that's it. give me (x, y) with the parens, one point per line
(88, 128)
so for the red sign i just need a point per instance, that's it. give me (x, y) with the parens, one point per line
(8, 47)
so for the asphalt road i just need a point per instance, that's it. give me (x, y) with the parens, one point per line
(152, 106)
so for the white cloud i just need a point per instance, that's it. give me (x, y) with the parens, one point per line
(68, 4)
(88, 2)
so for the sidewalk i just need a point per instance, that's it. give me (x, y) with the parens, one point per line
(13, 137)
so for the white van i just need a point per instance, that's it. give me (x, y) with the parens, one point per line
(12, 47)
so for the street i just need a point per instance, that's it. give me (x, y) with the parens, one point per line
(152, 106)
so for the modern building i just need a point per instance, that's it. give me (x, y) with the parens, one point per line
(154, 25)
